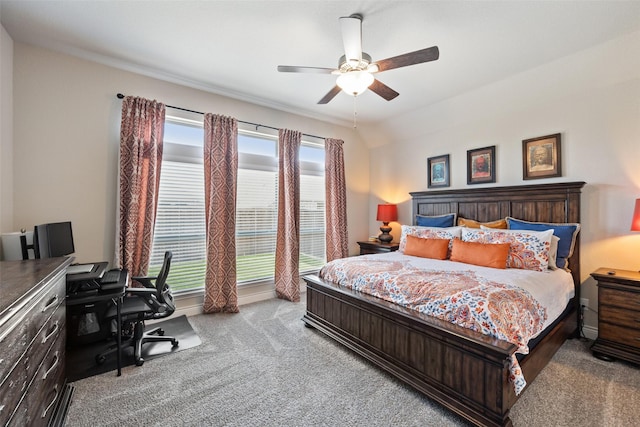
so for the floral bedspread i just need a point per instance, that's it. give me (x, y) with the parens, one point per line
(464, 298)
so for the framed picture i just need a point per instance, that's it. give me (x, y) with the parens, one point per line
(481, 165)
(438, 171)
(541, 157)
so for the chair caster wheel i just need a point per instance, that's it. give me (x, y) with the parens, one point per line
(174, 343)
(100, 359)
(139, 362)
(161, 332)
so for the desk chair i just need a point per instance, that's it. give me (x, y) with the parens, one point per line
(153, 301)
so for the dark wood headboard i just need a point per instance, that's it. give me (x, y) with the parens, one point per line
(557, 202)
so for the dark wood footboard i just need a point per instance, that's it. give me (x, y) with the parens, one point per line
(463, 370)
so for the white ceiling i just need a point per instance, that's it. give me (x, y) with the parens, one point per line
(233, 47)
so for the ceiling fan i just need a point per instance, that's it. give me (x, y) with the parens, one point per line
(355, 68)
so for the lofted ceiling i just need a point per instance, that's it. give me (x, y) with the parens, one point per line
(233, 47)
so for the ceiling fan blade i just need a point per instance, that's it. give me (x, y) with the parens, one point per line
(411, 58)
(383, 90)
(330, 95)
(295, 69)
(351, 27)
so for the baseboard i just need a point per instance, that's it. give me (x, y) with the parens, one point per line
(590, 332)
(191, 305)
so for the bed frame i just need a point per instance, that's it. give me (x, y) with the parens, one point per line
(463, 370)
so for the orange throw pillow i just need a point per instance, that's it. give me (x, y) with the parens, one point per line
(501, 223)
(492, 255)
(427, 248)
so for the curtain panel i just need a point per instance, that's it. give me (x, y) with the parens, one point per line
(337, 243)
(141, 135)
(220, 183)
(287, 270)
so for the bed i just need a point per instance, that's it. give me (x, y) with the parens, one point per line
(464, 370)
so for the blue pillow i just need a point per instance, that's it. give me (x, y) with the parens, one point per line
(566, 232)
(446, 220)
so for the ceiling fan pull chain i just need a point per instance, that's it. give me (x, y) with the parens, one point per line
(355, 113)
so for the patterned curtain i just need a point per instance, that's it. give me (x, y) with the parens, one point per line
(336, 200)
(288, 236)
(220, 187)
(141, 134)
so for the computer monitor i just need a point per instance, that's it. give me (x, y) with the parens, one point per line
(53, 240)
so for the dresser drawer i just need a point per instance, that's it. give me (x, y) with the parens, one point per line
(619, 298)
(47, 336)
(25, 323)
(618, 316)
(13, 342)
(12, 391)
(46, 387)
(619, 334)
(47, 304)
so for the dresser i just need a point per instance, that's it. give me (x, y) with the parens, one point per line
(618, 315)
(32, 342)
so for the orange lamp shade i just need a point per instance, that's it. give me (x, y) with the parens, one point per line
(387, 213)
(635, 222)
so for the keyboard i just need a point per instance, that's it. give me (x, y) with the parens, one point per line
(111, 276)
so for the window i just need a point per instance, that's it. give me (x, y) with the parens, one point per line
(180, 220)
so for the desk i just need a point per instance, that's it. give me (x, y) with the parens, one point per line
(115, 294)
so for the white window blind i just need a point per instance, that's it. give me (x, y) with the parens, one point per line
(180, 218)
(180, 226)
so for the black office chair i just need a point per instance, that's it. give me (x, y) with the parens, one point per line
(154, 301)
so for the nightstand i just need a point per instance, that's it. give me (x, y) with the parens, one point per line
(618, 315)
(377, 247)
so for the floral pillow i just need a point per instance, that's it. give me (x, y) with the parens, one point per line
(529, 250)
(566, 232)
(428, 233)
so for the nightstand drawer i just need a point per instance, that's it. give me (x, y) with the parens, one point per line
(619, 298)
(617, 316)
(620, 334)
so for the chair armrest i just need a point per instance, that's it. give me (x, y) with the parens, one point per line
(140, 291)
(145, 280)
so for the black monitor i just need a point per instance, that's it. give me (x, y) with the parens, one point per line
(53, 240)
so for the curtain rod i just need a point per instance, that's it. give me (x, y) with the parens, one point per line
(257, 125)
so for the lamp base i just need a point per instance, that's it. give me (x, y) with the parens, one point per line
(385, 237)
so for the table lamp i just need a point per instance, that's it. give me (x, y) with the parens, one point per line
(635, 221)
(386, 213)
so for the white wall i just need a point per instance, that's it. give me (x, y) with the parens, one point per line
(592, 98)
(6, 132)
(67, 121)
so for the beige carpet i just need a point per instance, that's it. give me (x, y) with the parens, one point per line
(262, 367)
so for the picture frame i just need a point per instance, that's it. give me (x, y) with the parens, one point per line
(481, 165)
(438, 171)
(541, 157)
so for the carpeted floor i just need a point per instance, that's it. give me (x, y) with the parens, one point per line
(81, 362)
(262, 367)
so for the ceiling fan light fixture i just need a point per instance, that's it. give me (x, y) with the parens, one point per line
(355, 82)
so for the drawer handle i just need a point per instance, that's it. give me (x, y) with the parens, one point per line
(50, 303)
(55, 397)
(52, 333)
(55, 363)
